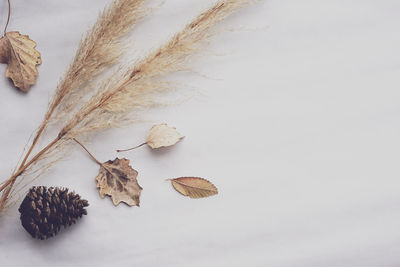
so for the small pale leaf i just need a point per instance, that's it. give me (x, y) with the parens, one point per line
(194, 187)
(163, 135)
(19, 52)
(117, 179)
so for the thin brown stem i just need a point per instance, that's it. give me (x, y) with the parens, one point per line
(35, 140)
(42, 128)
(8, 17)
(10, 182)
(21, 166)
(123, 150)
(72, 124)
(90, 154)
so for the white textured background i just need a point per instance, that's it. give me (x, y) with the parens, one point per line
(298, 127)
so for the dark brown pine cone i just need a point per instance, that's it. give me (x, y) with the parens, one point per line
(44, 211)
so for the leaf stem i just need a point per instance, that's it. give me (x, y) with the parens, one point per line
(90, 154)
(123, 150)
(8, 16)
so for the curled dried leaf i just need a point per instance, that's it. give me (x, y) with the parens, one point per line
(163, 135)
(19, 53)
(117, 179)
(194, 187)
(160, 135)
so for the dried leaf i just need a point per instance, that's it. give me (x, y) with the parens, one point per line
(118, 180)
(163, 135)
(194, 187)
(19, 52)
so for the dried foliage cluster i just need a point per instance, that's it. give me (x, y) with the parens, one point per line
(118, 179)
(112, 100)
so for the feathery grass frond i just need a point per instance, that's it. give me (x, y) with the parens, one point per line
(136, 87)
(99, 49)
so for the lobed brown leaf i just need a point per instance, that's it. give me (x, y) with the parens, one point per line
(117, 179)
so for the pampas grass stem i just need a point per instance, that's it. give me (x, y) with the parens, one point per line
(134, 87)
(99, 49)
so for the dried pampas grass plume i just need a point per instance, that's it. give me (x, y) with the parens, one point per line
(133, 88)
(99, 49)
(138, 85)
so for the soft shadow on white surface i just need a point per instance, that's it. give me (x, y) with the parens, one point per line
(298, 129)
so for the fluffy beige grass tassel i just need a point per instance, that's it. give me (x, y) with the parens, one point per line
(99, 49)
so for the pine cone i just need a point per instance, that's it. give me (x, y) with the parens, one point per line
(44, 211)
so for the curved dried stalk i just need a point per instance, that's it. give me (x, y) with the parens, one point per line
(99, 49)
(135, 87)
(8, 17)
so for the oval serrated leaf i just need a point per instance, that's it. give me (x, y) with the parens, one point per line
(163, 135)
(194, 187)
